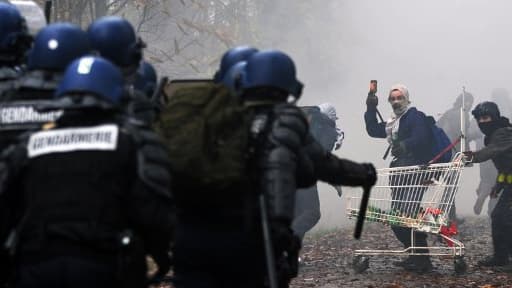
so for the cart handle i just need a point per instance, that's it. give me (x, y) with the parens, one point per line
(448, 148)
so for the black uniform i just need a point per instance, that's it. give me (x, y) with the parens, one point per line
(91, 199)
(19, 110)
(219, 240)
(136, 102)
(499, 150)
(7, 77)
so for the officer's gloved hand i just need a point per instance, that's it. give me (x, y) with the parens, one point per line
(372, 101)
(371, 174)
(282, 234)
(398, 149)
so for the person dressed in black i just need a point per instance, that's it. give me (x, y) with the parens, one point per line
(219, 236)
(498, 148)
(14, 43)
(55, 46)
(90, 196)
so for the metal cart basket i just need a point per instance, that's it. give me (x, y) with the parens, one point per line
(417, 197)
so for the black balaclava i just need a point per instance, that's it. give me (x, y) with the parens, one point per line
(488, 128)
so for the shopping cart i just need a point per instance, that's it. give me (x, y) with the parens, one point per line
(417, 197)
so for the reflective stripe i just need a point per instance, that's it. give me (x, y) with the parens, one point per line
(504, 178)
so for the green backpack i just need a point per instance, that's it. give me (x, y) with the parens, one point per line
(206, 130)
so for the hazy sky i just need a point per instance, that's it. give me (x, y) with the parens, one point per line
(434, 47)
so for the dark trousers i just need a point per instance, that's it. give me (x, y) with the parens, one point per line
(63, 272)
(214, 255)
(406, 196)
(502, 226)
(307, 211)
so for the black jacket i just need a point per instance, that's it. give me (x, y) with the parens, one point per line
(499, 149)
(80, 187)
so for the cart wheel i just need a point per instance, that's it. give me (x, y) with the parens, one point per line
(460, 265)
(360, 264)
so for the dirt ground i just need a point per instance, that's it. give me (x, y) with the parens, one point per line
(328, 260)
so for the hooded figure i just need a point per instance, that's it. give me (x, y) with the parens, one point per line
(330, 111)
(409, 135)
(450, 120)
(399, 104)
(488, 172)
(498, 148)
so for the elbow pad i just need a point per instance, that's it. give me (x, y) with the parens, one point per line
(153, 164)
(278, 183)
(289, 127)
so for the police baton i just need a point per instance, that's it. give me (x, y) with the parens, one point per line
(362, 211)
(267, 242)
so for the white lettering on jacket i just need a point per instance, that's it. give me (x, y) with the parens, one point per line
(103, 137)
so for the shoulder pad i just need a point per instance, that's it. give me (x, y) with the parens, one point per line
(37, 80)
(153, 165)
(293, 117)
(290, 126)
(7, 73)
(502, 133)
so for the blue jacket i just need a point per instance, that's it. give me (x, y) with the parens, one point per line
(413, 132)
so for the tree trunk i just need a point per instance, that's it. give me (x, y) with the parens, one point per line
(100, 8)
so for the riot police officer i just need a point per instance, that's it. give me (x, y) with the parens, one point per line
(55, 46)
(498, 144)
(92, 193)
(230, 58)
(219, 235)
(146, 79)
(114, 38)
(14, 42)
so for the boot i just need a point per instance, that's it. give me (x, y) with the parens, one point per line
(406, 262)
(420, 264)
(504, 269)
(491, 261)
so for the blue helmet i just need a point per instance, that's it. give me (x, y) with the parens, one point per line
(233, 77)
(56, 45)
(230, 58)
(14, 35)
(93, 75)
(272, 69)
(114, 38)
(146, 79)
